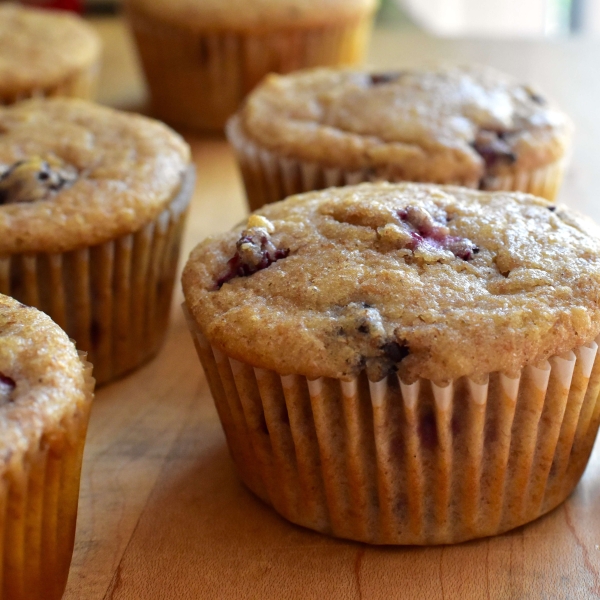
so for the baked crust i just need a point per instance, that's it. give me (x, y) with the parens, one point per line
(121, 171)
(49, 377)
(456, 125)
(41, 49)
(350, 290)
(241, 15)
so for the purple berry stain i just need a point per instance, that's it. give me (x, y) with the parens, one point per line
(254, 252)
(427, 231)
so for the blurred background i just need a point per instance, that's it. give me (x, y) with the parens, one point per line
(502, 17)
(552, 44)
(490, 18)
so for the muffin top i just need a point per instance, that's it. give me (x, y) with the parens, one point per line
(445, 125)
(42, 379)
(39, 49)
(435, 282)
(74, 174)
(255, 14)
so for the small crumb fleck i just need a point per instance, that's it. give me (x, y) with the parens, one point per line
(258, 221)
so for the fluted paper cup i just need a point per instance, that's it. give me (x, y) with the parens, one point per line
(269, 177)
(113, 299)
(198, 79)
(39, 495)
(394, 463)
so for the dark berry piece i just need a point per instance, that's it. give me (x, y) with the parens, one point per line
(493, 148)
(535, 96)
(7, 386)
(383, 78)
(551, 208)
(538, 99)
(7, 381)
(254, 252)
(395, 352)
(33, 179)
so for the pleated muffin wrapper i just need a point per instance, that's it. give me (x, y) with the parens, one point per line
(39, 493)
(394, 463)
(270, 177)
(113, 299)
(198, 79)
(82, 84)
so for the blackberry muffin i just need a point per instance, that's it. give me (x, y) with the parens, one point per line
(92, 208)
(201, 57)
(403, 364)
(45, 53)
(466, 126)
(45, 397)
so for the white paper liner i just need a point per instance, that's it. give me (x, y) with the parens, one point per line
(113, 299)
(198, 79)
(269, 177)
(79, 85)
(391, 463)
(38, 508)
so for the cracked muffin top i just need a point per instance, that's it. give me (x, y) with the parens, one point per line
(446, 125)
(42, 378)
(40, 49)
(257, 14)
(434, 282)
(74, 174)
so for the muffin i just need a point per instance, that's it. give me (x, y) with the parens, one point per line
(201, 57)
(46, 53)
(45, 396)
(92, 208)
(461, 126)
(403, 363)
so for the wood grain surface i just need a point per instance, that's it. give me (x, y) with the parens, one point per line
(162, 514)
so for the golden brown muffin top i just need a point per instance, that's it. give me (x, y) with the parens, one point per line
(74, 174)
(441, 125)
(42, 379)
(39, 49)
(437, 282)
(253, 14)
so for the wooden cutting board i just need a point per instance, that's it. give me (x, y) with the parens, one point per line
(162, 514)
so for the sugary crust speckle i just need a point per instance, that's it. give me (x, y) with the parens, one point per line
(350, 296)
(40, 49)
(256, 15)
(129, 167)
(444, 125)
(51, 383)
